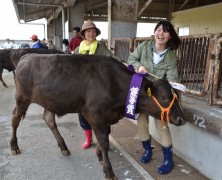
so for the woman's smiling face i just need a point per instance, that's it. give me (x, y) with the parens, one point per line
(161, 37)
(90, 34)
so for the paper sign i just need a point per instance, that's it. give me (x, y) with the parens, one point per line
(178, 86)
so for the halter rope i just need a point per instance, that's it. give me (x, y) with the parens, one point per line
(163, 110)
(167, 110)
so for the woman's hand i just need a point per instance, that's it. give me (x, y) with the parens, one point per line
(142, 70)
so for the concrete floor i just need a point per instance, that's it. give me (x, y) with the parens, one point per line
(125, 133)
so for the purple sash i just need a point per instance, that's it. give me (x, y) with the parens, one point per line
(133, 93)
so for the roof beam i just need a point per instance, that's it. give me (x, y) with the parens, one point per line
(70, 3)
(101, 5)
(39, 4)
(60, 7)
(144, 8)
(185, 2)
(38, 11)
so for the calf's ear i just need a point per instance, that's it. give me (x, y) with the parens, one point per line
(149, 88)
(149, 92)
(178, 93)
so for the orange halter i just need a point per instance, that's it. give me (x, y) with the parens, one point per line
(167, 110)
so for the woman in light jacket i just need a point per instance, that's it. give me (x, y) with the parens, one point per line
(157, 56)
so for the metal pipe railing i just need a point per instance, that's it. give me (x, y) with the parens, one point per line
(199, 63)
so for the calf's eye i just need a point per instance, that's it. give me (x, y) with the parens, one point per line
(164, 97)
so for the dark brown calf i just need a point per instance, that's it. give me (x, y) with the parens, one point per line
(9, 58)
(95, 86)
(5, 63)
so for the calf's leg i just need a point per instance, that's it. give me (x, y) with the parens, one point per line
(14, 75)
(100, 131)
(49, 118)
(18, 112)
(99, 154)
(1, 79)
(98, 151)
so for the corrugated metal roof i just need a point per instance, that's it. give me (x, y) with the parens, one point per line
(149, 10)
(29, 10)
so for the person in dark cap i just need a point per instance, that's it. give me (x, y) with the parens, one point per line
(76, 40)
(91, 46)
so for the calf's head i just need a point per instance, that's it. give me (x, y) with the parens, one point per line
(163, 102)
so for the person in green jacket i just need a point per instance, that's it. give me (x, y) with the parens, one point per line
(157, 56)
(91, 46)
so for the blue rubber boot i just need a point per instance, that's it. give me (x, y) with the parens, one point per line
(168, 163)
(147, 155)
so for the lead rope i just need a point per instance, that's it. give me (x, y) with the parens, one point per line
(163, 110)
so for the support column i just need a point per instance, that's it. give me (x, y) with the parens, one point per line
(122, 19)
(76, 16)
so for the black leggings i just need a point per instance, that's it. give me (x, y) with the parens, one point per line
(83, 123)
(86, 126)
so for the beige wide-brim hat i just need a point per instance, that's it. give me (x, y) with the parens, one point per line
(87, 25)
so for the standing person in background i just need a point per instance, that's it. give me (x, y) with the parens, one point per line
(76, 40)
(91, 46)
(8, 44)
(51, 45)
(44, 42)
(157, 57)
(37, 43)
(65, 42)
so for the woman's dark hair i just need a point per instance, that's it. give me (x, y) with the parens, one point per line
(174, 42)
(65, 41)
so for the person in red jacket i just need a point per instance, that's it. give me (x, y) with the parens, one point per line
(76, 40)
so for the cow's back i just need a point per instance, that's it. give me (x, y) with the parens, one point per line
(16, 54)
(59, 82)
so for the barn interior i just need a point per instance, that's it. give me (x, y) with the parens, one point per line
(199, 62)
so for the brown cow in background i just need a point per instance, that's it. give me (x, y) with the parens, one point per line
(9, 58)
(5, 63)
(16, 54)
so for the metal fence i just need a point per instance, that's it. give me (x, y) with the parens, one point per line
(199, 63)
(123, 47)
(192, 62)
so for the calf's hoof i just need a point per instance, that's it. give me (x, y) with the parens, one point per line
(112, 178)
(15, 151)
(101, 163)
(5, 85)
(65, 152)
(110, 175)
